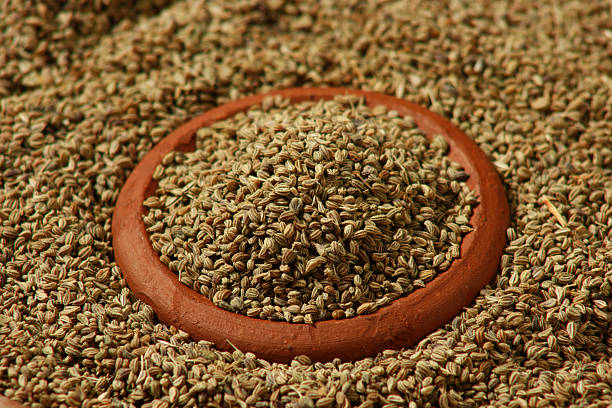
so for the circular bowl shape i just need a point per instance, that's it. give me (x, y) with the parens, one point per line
(401, 324)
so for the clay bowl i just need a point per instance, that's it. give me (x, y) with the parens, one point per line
(402, 323)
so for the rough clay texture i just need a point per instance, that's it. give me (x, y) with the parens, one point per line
(87, 90)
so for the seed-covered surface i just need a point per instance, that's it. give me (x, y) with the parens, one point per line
(310, 211)
(531, 83)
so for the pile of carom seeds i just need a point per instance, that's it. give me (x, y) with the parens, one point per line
(88, 88)
(310, 211)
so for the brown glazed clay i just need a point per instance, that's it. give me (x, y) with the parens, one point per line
(403, 323)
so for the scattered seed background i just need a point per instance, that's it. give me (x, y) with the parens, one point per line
(87, 89)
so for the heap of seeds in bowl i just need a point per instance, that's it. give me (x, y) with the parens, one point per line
(310, 211)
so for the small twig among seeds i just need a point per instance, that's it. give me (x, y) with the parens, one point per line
(553, 210)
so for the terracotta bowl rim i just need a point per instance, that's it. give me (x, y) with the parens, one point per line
(6, 402)
(401, 324)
